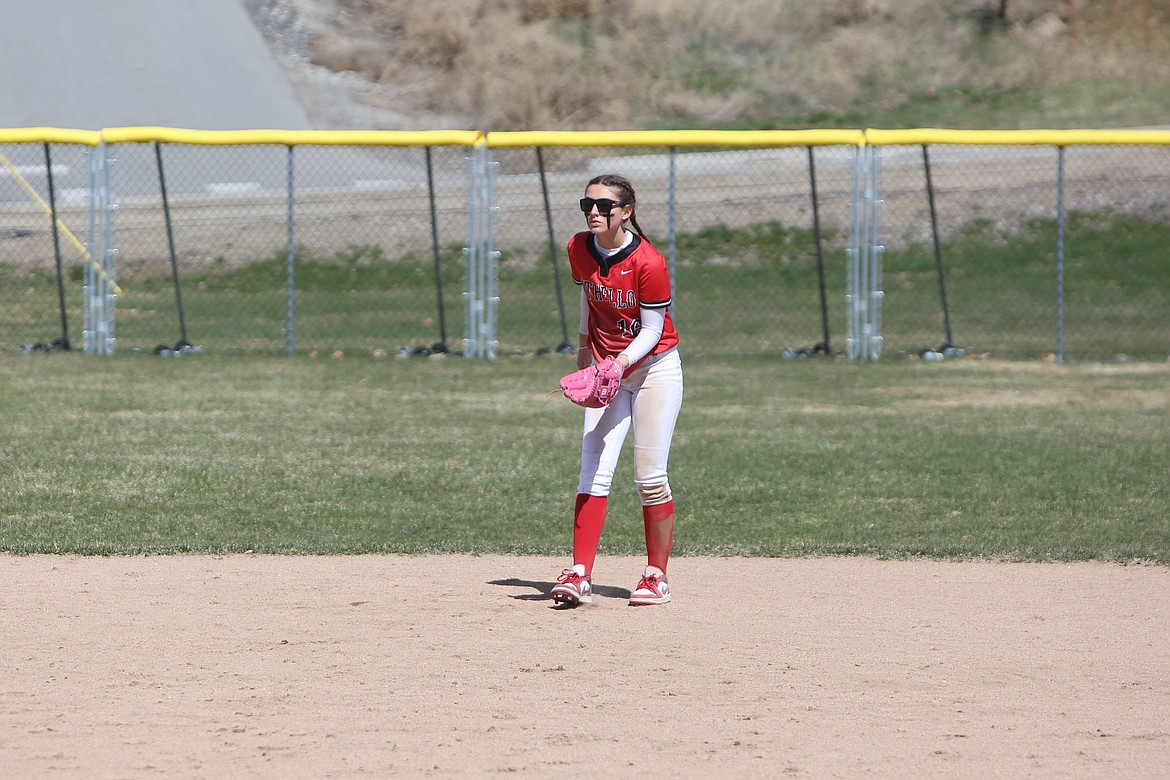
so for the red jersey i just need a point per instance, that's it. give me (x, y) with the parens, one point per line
(616, 288)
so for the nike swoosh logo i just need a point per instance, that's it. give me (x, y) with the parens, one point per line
(627, 271)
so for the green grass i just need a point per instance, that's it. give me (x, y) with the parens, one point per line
(1085, 103)
(1014, 461)
(1002, 290)
(753, 290)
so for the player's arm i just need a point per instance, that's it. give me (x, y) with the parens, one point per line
(584, 354)
(653, 323)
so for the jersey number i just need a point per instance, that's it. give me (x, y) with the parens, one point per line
(629, 328)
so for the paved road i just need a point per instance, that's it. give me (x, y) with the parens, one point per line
(177, 63)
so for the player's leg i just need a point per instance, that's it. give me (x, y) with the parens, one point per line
(601, 443)
(656, 407)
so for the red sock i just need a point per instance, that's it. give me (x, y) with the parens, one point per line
(588, 520)
(659, 522)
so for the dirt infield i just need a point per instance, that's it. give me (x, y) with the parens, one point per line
(459, 666)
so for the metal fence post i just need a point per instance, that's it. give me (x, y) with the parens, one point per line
(436, 254)
(854, 300)
(100, 297)
(672, 222)
(491, 283)
(480, 296)
(824, 345)
(166, 206)
(938, 258)
(470, 258)
(872, 254)
(56, 233)
(1059, 254)
(864, 296)
(290, 294)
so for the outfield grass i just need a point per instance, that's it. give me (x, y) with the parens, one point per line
(970, 458)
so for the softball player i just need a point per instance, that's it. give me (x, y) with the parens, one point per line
(625, 313)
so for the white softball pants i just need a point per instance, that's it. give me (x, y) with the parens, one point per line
(649, 402)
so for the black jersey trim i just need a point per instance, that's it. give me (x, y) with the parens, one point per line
(656, 304)
(606, 263)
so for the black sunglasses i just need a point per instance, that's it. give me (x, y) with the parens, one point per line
(604, 205)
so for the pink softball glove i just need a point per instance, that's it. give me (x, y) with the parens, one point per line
(594, 386)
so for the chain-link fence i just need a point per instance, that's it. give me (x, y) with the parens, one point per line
(44, 226)
(1026, 249)
(868, 244)
(747, 241)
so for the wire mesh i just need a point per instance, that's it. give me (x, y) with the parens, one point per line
(1013, 251)
(995, 256)
(743, 248)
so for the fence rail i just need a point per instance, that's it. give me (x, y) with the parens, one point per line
(862, 244)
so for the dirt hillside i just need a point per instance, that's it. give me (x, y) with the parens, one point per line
(601, 64)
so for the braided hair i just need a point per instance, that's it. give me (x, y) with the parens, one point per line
(621, 184)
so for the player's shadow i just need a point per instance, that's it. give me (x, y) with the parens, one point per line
(544, 589)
